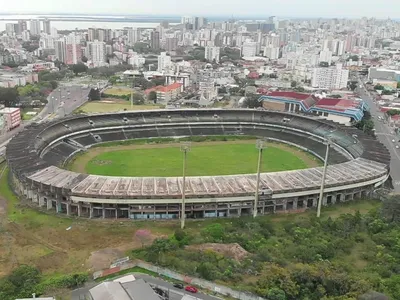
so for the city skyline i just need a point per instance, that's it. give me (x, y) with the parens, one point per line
(292, 8)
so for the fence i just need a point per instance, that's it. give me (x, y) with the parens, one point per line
(211, 286)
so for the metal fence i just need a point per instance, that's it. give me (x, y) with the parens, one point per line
(211, 286)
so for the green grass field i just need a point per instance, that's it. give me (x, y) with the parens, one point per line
(119, 91)
(203, 160)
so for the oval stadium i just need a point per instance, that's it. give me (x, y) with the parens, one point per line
(358, 164)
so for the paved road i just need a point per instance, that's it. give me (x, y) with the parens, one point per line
(61, 102)
(174, 293)
(385, 135)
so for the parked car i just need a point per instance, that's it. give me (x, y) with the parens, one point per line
(178, 285)
(191, 289)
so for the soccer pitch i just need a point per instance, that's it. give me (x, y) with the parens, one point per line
(204, 159)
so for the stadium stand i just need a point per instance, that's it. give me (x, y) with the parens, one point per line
(357, 165)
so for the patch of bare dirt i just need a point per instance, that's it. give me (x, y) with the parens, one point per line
(103, 258)
(234, 250)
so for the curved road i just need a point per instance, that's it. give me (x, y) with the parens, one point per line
(61, 102)
(384, 134)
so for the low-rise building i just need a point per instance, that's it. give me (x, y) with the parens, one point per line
(166, 93)
(343, 111)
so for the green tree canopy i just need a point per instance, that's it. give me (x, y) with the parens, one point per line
(79, 68)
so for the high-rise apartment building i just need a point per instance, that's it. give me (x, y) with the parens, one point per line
(325, 56)
(155, 40)
(22, 26)
(271, 52)
(171, 43)
(212, 53)
(97, 52)
(60, 48)
(164, 62)
(249, 49)
(46, 26)
(10, 28)
(73, 50)
(25, 35)
(330, 78)
(133, 36)
(34, 27)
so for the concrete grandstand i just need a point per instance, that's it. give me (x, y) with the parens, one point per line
(358, 164)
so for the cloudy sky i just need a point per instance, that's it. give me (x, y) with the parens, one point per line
(284, 8)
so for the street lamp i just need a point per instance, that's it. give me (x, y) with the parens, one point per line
(260, 145)
(185, 148)
(321, 192)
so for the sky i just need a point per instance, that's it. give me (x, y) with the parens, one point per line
(281, 8)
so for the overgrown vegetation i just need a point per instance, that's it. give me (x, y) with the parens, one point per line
(26, 280)
(296, 258)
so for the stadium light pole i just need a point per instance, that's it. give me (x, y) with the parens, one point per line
(321, 192)
(185, 148)
(260, 145)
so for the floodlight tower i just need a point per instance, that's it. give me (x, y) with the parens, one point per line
(329, 142)
(260, 145)
(185, 148)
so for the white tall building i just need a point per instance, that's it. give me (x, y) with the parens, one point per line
(212, 53)
(330, 78)
(60, 48)
(26, 35)
(54, 32)
(325, 56)
(97, 52)
(10, 29)
(271, 52)
(249, 49)
(133, 36)
(34, 27)
(164, 62)
(46, 41)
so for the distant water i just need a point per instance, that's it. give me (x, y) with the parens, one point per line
(71, 25)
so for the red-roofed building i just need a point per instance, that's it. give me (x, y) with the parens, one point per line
(166, 93)
(342, 111)
(253, 75)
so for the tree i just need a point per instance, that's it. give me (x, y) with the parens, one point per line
(113, 79)
(84, 59)
(293, 84)
(353, 85)
(9, 96)
(276, 294)
(252, 101)
(158, 81)
(22, 281)
(391, 209)
(398, 85)
(379, 87)
(214, 232)
(94, 94)
(153, 96)
(79, 68)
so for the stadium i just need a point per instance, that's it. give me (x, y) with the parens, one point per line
(358, 164)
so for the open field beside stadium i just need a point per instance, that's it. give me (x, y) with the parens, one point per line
(204, 159)
(112, 105)
(118, 91)
(41, 239)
